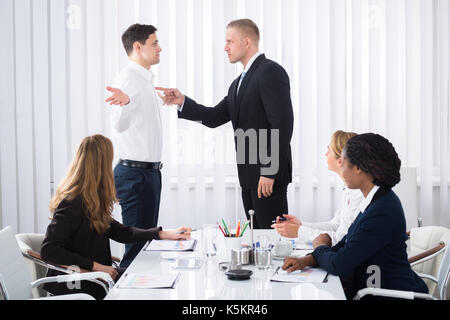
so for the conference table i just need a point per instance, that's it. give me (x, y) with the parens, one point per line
(209, 282)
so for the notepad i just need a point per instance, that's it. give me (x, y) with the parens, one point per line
(311, 275)
(149, 281)
(171, 245)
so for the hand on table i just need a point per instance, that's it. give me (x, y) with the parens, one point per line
(291, 264)
(182, 233)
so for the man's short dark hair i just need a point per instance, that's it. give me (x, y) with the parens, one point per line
(136, 32)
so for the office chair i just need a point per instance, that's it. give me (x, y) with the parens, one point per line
(442, 283)
(15, 279)
(426, 248)
(30, 245)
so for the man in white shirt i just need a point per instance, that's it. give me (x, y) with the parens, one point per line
(136, 131)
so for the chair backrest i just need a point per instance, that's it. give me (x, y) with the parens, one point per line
(33, 241)
(406, 190)
(444, 274)
(422, 239)
(14, 272)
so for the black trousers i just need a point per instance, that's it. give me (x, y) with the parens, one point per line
(266, 209)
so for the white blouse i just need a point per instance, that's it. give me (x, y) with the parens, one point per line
(337, 227)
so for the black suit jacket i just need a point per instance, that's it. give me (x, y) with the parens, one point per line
(263, 102)
(71, 241)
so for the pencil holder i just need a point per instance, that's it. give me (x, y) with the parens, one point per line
(231, 243)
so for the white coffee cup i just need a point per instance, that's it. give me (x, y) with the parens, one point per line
(282, 249)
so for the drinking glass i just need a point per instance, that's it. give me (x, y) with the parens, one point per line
(209, 235)
(263, 256)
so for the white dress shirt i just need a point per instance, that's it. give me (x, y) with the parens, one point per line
(336, 228)
(250, 62)
(136, 128)
(365, 203)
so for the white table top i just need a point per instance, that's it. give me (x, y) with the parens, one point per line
(208, 282)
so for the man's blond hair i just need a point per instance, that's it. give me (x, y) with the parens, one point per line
(247, 27)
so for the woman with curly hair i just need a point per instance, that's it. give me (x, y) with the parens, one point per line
(376, 239)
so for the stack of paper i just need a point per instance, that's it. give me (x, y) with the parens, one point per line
(149, 281)
(171, 245)
(307, 275)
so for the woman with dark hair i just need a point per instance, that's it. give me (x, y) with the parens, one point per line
(373, 253)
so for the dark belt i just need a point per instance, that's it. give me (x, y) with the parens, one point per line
(141, 164)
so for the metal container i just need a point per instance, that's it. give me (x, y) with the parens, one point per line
(242, 256)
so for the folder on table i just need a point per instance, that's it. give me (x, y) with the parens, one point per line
(149, 281)
(171, 245)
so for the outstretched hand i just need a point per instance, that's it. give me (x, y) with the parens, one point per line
(171, 96)
(118, 98)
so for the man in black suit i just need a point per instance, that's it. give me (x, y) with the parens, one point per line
(259, 106)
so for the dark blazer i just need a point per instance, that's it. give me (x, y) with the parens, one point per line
(263, 102)
(71, 241)
(376, 238)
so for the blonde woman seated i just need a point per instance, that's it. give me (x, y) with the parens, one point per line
(337, 227)
(82, 223)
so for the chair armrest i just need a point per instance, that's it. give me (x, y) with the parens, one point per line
(427, 255)
(89, 276)
(428, 277)
(75, 296)
(409, 295)
(36, 258)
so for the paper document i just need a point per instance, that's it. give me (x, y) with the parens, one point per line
(171, 245)
(302, 245)
(149, 281)
(306, 275)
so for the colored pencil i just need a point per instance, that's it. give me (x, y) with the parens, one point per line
(222, 231)
(237, 230)
(243, 230)
(226, 229)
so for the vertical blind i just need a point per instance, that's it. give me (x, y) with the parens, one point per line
(357, 65)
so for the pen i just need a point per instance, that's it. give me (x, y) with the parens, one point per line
(281, 219)
(325, 280)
